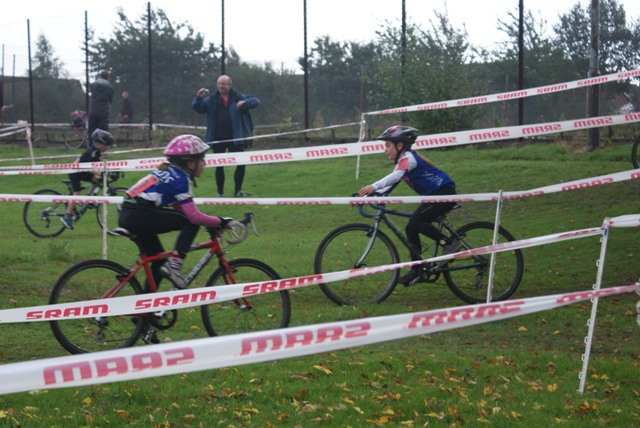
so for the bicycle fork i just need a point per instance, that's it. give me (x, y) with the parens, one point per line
(373, 231)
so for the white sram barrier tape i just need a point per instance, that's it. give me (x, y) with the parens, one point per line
(554, 188)
(336, 151)
(541, 90)
(235, 350)
(145, 303)
(12, 130)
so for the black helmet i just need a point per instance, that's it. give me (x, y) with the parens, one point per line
(400, 134)
(104, 137)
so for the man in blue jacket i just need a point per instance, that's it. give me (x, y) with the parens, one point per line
(228, 118)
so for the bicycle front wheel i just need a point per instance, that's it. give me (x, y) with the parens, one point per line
(635, 153)
(468, 277)
(352, 247)
(113, 210)
(43, 218)
(265, 311)
(92, 280)
(74, 137)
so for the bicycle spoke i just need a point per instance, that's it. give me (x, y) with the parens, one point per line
(42, 219)
(350, 247)
(90, 280)
(252, 313)
(468, 277)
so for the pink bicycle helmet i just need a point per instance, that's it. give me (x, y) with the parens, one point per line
(186, 146)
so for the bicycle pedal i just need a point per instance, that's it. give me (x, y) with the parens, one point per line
(150, 336)
(413, 281)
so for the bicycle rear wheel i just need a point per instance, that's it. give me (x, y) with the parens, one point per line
(468, 276)
(43, 218)
(346, 248)
(113, 210)
(635, 153)
(91, 280)
(265, 311)
(75, 137)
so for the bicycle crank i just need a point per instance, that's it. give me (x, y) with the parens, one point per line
(163, 320)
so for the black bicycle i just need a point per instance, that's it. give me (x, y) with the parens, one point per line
(358, 245)
(43, 218)
(635, 153)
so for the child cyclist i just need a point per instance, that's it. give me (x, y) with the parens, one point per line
(423, 177)
(102, 141)
(163, 201)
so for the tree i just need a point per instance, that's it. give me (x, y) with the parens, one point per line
(181, 62)
(619, 40)
(439, 66)
(619, 47)
(46, 64)
(337, 72)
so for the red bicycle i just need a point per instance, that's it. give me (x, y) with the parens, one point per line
(104, 279)
(77, 134)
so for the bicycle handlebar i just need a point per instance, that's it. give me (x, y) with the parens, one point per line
(249, 218)
(236, 229)
(377, 207)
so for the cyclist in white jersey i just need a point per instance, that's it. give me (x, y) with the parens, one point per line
(425, 179)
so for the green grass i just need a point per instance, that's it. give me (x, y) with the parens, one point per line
(522, 370)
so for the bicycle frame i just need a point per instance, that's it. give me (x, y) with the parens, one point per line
(144, 263)
(382, 215)
(96, 188)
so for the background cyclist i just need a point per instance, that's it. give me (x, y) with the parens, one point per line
(102, 140)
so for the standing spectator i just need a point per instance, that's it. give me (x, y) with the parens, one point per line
(228, 118)
(101, 98)
(126, 111)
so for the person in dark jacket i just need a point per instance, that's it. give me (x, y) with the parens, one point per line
(126, 111)
(101, 98)
(228, 118)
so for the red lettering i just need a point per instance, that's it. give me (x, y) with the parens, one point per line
(282, 284)
(182, 356)
(67, 372)
(435, 106)
(632, 117)
(552, 88)
(592, 123)
(512, 95)
(117, 365)
(593, 81)
(470, 101)
(261, 344)
(176, 299)
(489, 135)
(151, 360)
(329, 333)
(541, 129)
(302, 338)
(451, 315)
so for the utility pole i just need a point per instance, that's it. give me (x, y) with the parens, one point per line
(593, 92)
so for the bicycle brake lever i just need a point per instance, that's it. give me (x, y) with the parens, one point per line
(253, 226)
(249, 218)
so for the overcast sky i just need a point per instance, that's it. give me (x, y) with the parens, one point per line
(259, 30)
